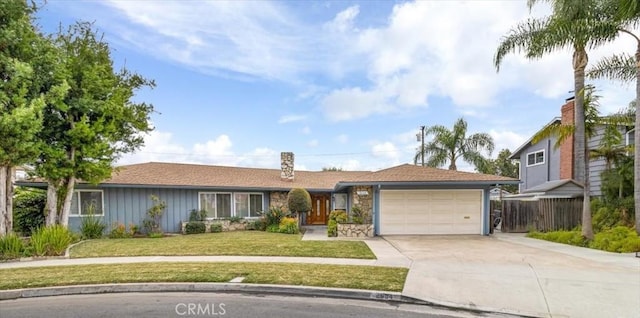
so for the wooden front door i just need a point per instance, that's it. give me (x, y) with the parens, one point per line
(320, 208)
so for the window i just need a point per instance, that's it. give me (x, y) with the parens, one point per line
(630, 137)
(87, 202)
(219, 205)
(535, 158)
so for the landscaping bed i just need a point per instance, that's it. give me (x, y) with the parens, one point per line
(239, 243)
(620, 239)
(338, 276)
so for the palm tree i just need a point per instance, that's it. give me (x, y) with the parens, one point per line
(576, 24)
(451, 145)
(626, 68)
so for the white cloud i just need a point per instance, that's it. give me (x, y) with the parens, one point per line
(354, 103)
(386, 150)
(505, 139)
(258, 39)
(343, 21)
(313, 143)
(343, 138)
(291, 118)
(161, 147)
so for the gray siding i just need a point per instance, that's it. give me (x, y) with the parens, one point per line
(598, 165)
(130, 205)
(535, 175)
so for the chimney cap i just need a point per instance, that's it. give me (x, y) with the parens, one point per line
(570, 99)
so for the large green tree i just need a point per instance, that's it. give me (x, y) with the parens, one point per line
(95, 122)
(26, 61)
(578, 25)
(624, 67)
(447, 146)
(501, 166)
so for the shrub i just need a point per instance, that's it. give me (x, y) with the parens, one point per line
(339, 216)
(273, 228)
(50, 240)
(274, 216)
(332, 228)
(289, 226)
(154, 215)
(118, 230)
(260, 224)
(195, 228)
(619, 239)
(197, 215)
(91, 227)
(11, 246)
(573, 237)
(358, 216)
(133, 229)
(299, 200)
(335, 217)
(216, 228)
(236, 219)
(28, 210)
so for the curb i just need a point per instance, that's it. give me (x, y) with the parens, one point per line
(283, 290)
(360, 294)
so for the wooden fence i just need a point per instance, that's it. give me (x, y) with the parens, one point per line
(543, 215)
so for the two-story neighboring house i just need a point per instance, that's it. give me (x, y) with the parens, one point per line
(542, 163)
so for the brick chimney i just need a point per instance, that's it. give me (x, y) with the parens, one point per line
(286, 164)
(566, 148)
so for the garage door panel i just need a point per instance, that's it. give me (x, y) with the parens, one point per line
(430, 212)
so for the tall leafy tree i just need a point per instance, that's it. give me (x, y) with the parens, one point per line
(93, 124)
(501, 166)
(26, 58)
(447, 146)
(574, 24)
(626, 68)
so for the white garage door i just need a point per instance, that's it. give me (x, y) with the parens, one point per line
(430, 212)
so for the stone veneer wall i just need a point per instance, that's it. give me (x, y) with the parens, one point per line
(364, 201)
(278, 199)
(226, 225)
(355, 230)
(286, 163)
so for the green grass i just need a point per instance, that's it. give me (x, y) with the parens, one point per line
(242, 243)
(619, 239)
(340, 276)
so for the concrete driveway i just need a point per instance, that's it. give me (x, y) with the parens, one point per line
(513, 274)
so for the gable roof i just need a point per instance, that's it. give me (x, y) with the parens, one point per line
(517, 152)
(412, 174)
(195, 175)
(160, 174)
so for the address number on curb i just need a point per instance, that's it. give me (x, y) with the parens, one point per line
(383, 296)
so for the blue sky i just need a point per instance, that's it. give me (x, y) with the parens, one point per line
(339, 83)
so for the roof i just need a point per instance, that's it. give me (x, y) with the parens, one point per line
(159, 174)
(516, 153)
(565, 188)
(407, 173)
(553, 185)
(194, 175)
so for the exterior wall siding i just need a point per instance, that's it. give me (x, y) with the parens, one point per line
(130, 205)
(532, 176)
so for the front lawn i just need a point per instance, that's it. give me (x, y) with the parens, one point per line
(339, 276)
(620, 239)
(238, 243)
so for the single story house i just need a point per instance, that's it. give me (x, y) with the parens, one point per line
(405, 199)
